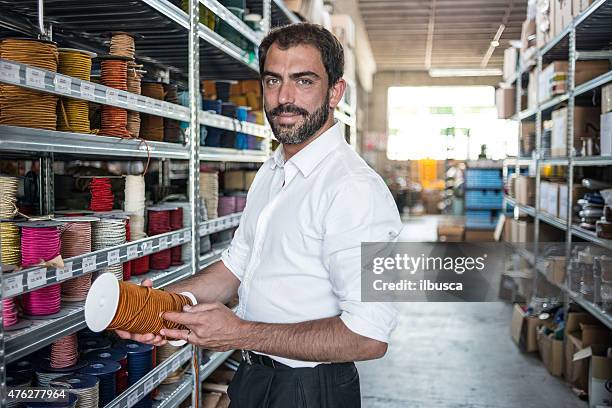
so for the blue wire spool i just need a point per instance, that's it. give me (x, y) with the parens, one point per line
(140, 362)
(116, 354)
(90, 344)
(106, 371)
(70, 403)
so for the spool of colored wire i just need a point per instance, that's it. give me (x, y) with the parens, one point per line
(20, 106)
(94, 344)
(83, 385)
(209, 191)
(64, 352)
(117, 354)
(109, 232)
(40, 243)
(76, 240)
(102, 198)
(106, 371)
(134, 78)
(240, 202)
(8, 198)
(114, 74)
(140, 362)
(227, 205)
(151, 126)
(172, 128)
(73, 114)
(45, 373)
(122, 44)
(141, 265)
(163, 353)
(159, 223)
(71, 402)
(176, 223)
(9, 313)
(10, 244)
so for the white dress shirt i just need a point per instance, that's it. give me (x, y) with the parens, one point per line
(298, 247)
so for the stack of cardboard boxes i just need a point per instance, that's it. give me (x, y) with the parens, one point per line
(344, 29)
(606, 120)
(553, 16)
(525, 190)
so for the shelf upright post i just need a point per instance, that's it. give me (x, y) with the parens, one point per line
(2, 359)
(517, 104)
(46, 190)
(194, 162)
(538, 178)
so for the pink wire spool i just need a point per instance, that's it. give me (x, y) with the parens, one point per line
(40, 242)
(76, 240)
(65, 352)
(9, 312)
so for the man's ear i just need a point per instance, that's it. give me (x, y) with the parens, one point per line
(336, 93)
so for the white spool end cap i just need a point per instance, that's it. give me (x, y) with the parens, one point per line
(101, 303)
(179, 343)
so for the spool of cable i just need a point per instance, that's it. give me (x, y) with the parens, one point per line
(83, 385)
(117, 354)
(11, 246)
(8, 198)
(71, 402)
(21, 106)
(64, 352)
(176, 223)
(94, 344)
(73, 114)
(114, 75)
(240, 201)
(209, 191)
(14, 380)
(40, 241)
(107, 233)
(151, 126)
(227, 205)
(75, 236)
(106, 372)
(134, 78)
(159, 223)
(140, 362)
(141, 265)
(172, 128)
(163, 353)
(22, 367)
(113, 305)
(122, 44)
(102, 198)
(45, 373)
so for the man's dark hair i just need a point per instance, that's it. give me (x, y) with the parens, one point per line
(332, 53)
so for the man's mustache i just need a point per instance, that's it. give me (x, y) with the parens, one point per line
(288, 108)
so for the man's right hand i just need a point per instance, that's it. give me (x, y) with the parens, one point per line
(148, 338)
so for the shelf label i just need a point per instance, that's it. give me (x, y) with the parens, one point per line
(64, 273)
(113, 257)
(170, 108)
(176, 239)
(150, 384)
(141, 102)
(187, 236)
(63, 84)
(163, 243)
(133, 399)
(13, 285)
(157, 106)
(89, 264)
(9, 72)
(132, 99)
(147, 247)
(35, 77)
(176, 364)
(112, 96)
(132, 252)
(88, 90)
(37, 277)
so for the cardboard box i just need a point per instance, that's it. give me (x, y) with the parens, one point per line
(344, 29)
(575, 372)
(505, 100)
(543, 195)
(586, 121)
(524, 231)
(606, 134)
(528, 32)
(550, 80)
(599, 375)
(577, 192)
(580, 5)
(556, 269)
(606, 98)
(552, 206)
(563, 14)
(510, 62)
(524, 329)
(450, 232)
(587, 70)
(551, 353)
(545, 22)
(525, 190)
(474, 235)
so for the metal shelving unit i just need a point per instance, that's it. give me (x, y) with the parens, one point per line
(175, 44)
(588, 32)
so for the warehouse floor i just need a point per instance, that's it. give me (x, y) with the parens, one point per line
(457, 355)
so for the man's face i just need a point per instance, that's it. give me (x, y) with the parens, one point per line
(296, 92)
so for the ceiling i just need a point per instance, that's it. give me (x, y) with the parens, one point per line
(417, 35)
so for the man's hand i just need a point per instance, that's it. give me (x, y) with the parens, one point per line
(148, 338)
(213, 326)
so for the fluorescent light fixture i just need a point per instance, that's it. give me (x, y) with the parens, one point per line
(464, 72)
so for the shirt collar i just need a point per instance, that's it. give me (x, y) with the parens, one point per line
(310, 156)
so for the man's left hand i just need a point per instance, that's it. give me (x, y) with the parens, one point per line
(209, 325)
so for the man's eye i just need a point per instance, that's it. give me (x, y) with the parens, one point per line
(271, 81)
(304, 81)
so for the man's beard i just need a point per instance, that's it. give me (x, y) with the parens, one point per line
(298, 133)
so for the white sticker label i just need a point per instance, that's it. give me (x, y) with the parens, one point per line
(35, 77)
(88, 90)
(89, 264)
(132, 399)
(157, 106)
(132, 99)
(112, 96)
(147, 247)
(113, 257)
(176, 364)
(163, 243)
(140, 102)
(132, 252)
(9, 72)
(170, 108)
(63, 84)
(65, 272)
(149, 385)
(37, 278)
(187, 236)
(176, 239)
(13, 286)
(149, 103)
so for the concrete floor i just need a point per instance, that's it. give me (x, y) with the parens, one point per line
(457, 355)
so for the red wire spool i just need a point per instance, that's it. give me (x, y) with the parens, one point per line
(176, 223)
(114, 75)
(159, 223)
(102, 198)
(141, 265)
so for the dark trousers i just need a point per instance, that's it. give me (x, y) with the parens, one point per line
(324, 386)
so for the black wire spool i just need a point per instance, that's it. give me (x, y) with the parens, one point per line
(88, 345)
(106, 371)
(140, 362)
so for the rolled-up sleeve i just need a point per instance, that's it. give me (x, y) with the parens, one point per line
(362, 210)
(236, 256)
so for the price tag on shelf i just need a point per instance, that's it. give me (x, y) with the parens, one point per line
(147, 247)
(63, 84)
(176, 239)
(13, 285)
(169, 107)
(35, 77)
(141, 102)
(150, 384)
(37, 277)
(132, 251)
(157, 105)
(89, 264)
(65, 272)
(113, 257)
(132, 99)
(112, 96)
(187, 236)
(176, 364)
(149, 103)
(133, 399)
(88, 90)
(163, 243)
(9, 72)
